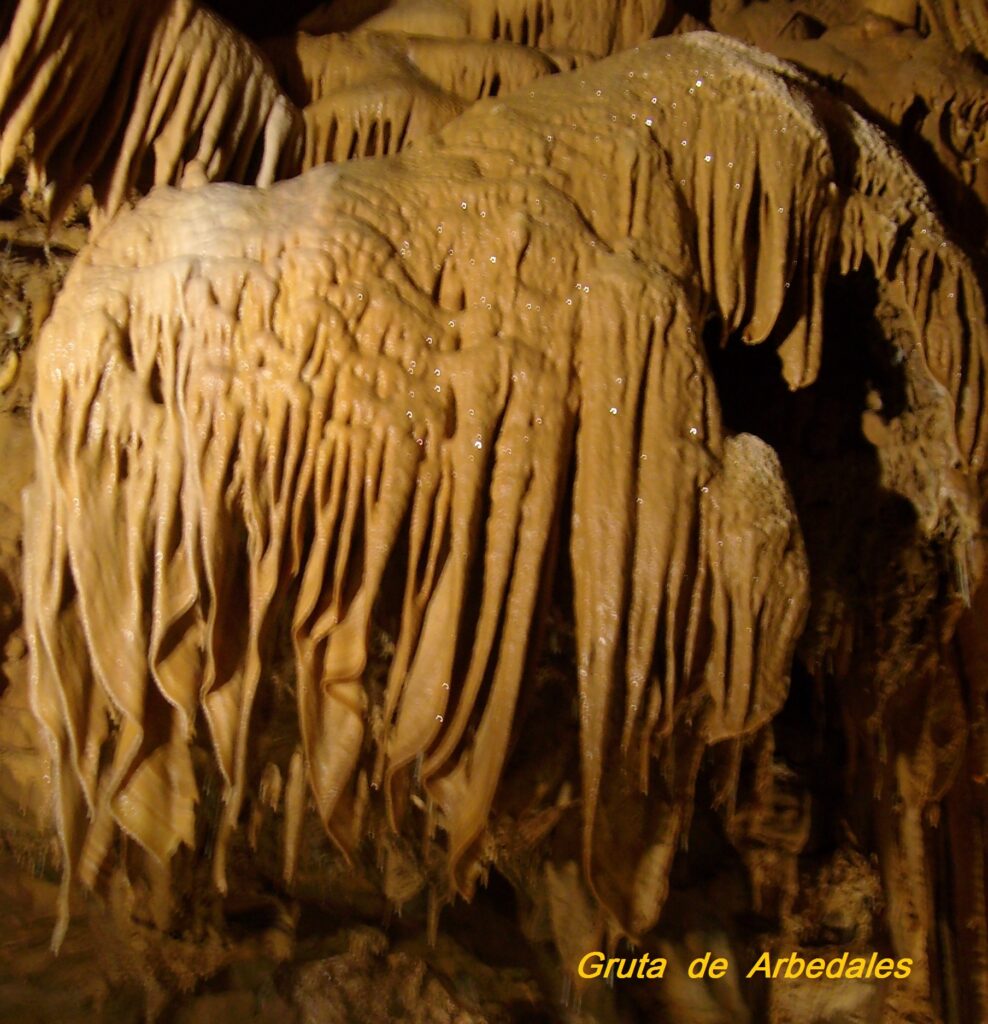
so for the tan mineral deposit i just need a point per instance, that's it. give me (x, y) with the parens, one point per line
(493, 511)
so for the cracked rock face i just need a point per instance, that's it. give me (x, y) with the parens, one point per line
(548, 519)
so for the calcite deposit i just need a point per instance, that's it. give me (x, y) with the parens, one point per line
(133, 95)
(504, 480)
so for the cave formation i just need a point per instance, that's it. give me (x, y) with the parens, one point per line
(488, 483)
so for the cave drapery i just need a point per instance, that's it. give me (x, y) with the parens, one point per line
(626, 390)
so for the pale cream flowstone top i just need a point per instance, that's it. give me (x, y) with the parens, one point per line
(248, 397)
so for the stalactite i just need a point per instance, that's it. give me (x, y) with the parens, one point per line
(128, 95)
(964, 22)
(267, 416)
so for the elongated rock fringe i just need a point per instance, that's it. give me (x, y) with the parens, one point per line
(128, 94)
(599, 29)
(314, 67)
(564, 25)
(964, 22)
(275, 410)
(372, 93)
